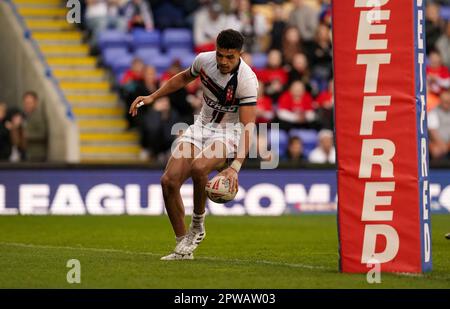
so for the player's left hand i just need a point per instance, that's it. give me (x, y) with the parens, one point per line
(232, 176)
(138, 102)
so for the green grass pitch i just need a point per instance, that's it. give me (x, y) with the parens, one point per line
(238, 252)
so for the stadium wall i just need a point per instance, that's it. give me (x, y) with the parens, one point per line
(22, 69)
(85, 190)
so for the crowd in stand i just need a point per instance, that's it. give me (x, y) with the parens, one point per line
(23, 131)
(296, 84)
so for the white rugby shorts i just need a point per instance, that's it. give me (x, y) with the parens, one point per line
(202, 136)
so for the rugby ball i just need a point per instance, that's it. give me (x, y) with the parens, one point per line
(218, 190)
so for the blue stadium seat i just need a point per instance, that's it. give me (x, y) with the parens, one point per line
(121, 64)
(278, 140)
(161, 62)
(147, 52)
(187, 60)
(308, 137)
(173, 37)
(179, 52)
(445, 12)
(142, 38)
(259, 60)
(113, 38)
(111, 54)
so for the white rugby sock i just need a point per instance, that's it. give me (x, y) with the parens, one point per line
(198, 220)
(178, 239)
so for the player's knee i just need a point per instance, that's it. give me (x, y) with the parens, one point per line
(169, 183)
(198, 170)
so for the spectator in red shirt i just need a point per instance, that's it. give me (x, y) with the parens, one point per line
(295, 108)
(274, 75)
(438, 76)
(324, 107)
(264, 106)
(135, 73)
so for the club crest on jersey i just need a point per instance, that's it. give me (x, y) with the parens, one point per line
(230, 92)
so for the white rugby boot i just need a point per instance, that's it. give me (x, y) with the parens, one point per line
(191, 241)
(176, 256)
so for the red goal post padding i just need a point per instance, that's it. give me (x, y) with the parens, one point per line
(381, 135)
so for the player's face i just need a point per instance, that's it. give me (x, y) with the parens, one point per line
(227, 59)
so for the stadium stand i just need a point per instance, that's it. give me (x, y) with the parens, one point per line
(86, 86)
(92, 81)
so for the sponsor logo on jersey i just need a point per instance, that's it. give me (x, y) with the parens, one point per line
(222, 108)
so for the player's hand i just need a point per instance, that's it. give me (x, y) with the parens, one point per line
(232, 176)
(140, 101)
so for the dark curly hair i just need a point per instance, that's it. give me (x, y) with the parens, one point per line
(230, 39)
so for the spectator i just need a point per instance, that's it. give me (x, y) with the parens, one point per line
(324, 152)
(253, 26)
(178, 98)
(439, 128)
(195, 100)
(274, 75)
(443, 46)
(141, 87)
(101, 15)
(305, 19)
(295, 151)
(35, 128)
(325, 107)
(115, 18)
(438, 76)
(299, 70)
(209, 20)
(96, 18)
(150, 82)
(138, 14)
(15, 124)
(264, 107)
(134, 73)
(5, 138)
(325, 13)
(131, 83)
(295, 108)
(291, 44)
(321, 57)
(278, 26)
(157, 129)
(433, 25)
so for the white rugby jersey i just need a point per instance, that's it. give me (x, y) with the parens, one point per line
(223, 93)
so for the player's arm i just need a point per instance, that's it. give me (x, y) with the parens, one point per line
(175, 83)
(247, 116)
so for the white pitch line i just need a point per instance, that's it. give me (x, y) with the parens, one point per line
(23, 245)
(293, 265)
(105, 250)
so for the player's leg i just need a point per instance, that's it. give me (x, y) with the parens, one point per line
(209, 159)
(177, 171)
